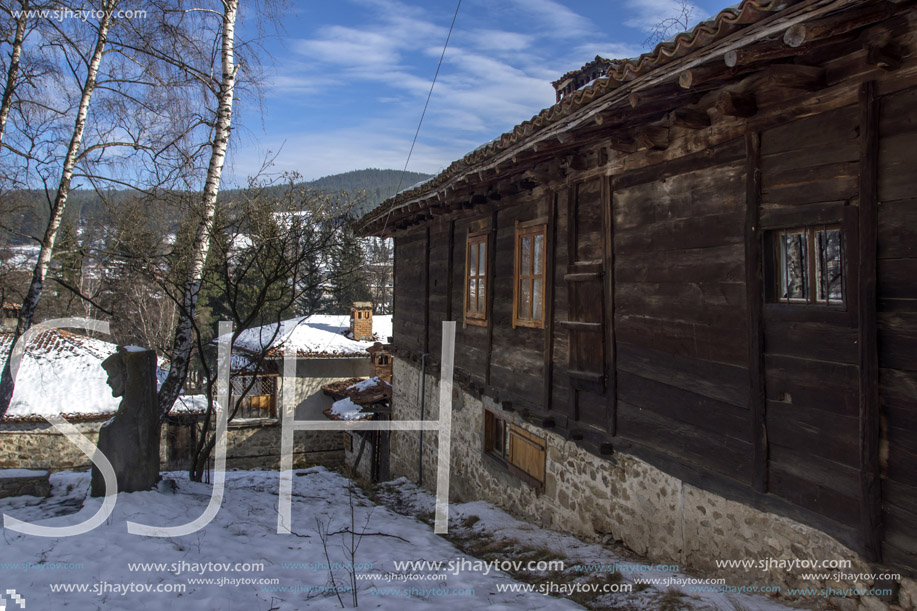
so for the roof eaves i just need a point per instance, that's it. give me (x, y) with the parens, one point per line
(626, 73)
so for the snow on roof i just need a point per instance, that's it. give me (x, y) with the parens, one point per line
(61, 374)
(316, 336)
(345, 409)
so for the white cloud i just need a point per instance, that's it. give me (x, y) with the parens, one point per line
(499, 40)
(559, 19)
(649, 13)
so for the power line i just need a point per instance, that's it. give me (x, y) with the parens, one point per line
(424, 113)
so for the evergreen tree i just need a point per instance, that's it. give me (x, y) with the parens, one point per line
(347, 273)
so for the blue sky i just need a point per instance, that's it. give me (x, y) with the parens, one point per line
(347, 79)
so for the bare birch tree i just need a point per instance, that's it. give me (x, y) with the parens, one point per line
(183, 343)
(30, 303)
(12, 71)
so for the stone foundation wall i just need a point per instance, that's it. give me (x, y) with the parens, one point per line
(621, 498)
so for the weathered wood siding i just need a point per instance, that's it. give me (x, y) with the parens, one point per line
(897, 322)
(661, 339)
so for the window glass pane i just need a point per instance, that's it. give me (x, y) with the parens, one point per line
(472, 259)
(525, 268)
(794, 281)
(482, 259)
(525, 299)
(829, 266)
(472, 295)
(537, 299)
(539, 254)
(481, 295)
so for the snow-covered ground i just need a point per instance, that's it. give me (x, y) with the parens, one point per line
(239, 562)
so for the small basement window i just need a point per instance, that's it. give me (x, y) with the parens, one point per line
(519, 451)
(529, 289)
(476, 279)
(810, 265)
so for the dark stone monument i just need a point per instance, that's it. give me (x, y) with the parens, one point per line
(130, 440)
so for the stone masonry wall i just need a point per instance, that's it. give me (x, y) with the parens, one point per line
(620, 498)
(249, 445)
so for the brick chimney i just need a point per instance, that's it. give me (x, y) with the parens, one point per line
(361, 321)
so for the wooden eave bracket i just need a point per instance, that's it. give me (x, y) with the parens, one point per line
(735, 104)
(688, 118)
(652, 137)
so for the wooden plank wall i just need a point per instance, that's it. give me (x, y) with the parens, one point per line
(680, 313)
(897, 323)
(517, 364)
(809, 174)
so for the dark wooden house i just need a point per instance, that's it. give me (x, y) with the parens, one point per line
(704, 258)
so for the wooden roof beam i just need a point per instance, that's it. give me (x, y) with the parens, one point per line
(694, 77)
(795, 76)
(841, 23)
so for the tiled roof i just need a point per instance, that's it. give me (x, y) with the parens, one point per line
(619, 72)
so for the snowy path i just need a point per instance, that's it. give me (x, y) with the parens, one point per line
(239, 562)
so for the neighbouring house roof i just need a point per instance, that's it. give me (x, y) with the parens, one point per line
(352, 400)
(316, 336)
(609, 87)
(61, 374)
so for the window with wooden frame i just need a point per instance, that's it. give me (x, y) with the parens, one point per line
(476, 278)
(809, 265)
(529, 288)
(520, 451)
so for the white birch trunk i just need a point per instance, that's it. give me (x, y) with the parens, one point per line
(12, 74)
(30, 303)
(184, 331)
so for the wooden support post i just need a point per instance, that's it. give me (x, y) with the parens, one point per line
(870, 484)
(550, 265)
(450, 270)
(491, 286)
(426, 291)
(754, 297)
(608, 284)
(734, 104)
(689, 118)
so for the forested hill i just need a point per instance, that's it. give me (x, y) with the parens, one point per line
(378, 185)
(27, 212)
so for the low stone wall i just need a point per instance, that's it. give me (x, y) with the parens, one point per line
(20, 482)
(39, 446)
(256, 445)
(622, 498)
(249, 445)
